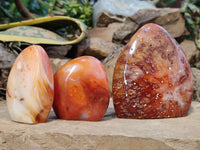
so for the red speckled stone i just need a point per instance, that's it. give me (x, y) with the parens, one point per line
(152, 77)
(81, 90)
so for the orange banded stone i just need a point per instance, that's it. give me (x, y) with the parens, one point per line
(81, 90)
(30, 88)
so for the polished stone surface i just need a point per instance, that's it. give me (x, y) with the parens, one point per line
(30, 86)
(152, 77)
(81, 90)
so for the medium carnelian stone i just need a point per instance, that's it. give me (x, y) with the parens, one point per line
(152, 77)
(81, 90)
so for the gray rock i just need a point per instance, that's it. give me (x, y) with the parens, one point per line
(108, 11)
(6, 61)
(191, 52)
(56, 63)
(196, 84)
(100, 48)
(105, 33)
(58, 51)
(81, 47)
(6, 58)
(124, 34)
(4, 77)
(109, 64)
(3, 82)
(145, 15)
(106, 18)
(170, 19)
(109, 134)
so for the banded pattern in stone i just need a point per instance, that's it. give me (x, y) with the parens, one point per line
(30, 86)
(81, 90)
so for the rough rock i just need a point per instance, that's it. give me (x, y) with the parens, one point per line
(170, 19)
(79, 49)
(191, 52)
(56, 63)
(123, 35)
(109, 64)
(3, 82)
(106, 18)
(108, 11)
(4, 77)
(100, 48)
(109, 134)
(196, 84)
(6, 61)
(6, 58)
(105, 33)
(57, 51)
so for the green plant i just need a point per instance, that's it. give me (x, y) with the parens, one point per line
(191, 10)
(15, 47)
(81, 10)
(165, 3)
(9, 12)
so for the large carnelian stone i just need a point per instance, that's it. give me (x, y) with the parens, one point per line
(152, 77)
(30, 86)
(81, 90)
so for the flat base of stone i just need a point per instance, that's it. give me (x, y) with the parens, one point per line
(109, 134)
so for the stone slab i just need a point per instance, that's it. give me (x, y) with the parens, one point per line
(109, 134)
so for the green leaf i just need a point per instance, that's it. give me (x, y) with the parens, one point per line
(83, 16)
(190, 21)
(198, 43)
(74, 11)
(12, 8)
(44, 3)
(198, 20)
(183, 10)
(193, 8)
(55, 12)
(25, 2)
(190, 38)
(6, 12)
(171, 1)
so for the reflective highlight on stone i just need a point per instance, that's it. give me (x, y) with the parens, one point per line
(152, 77)
(81, 90)
(30, 86)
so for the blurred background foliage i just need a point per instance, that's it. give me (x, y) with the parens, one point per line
(9, 12)
(82, 10)
(191, 12)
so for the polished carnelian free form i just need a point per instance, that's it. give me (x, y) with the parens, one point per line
(30, 86)
(81, 90)
(152, 77)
